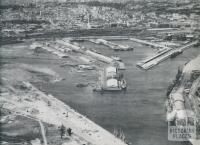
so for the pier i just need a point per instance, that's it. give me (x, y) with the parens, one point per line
(83, 38)
(92, 54)
(149, 43)
(48, 47)
(152, 61)
(113, 46)
(67, 44)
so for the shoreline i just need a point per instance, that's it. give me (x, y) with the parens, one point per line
(124, 32)
(185, 85)
(63, 92)
(59, 113)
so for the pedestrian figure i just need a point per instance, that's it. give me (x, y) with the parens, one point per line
(62, 131)
(69, 131)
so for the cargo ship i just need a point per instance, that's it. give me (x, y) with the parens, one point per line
(110, 79)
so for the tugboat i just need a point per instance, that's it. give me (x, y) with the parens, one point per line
(110, 79)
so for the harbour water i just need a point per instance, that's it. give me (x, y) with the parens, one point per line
(140, 111)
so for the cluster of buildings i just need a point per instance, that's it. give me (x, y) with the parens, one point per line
(37, 16)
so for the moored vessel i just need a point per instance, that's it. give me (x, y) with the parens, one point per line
(110, 79)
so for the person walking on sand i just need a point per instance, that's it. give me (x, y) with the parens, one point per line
(62, 131)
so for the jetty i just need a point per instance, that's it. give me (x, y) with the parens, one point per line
(167, 53)
(91, 53)
(48, 47)
(111, 45)
(150, 43)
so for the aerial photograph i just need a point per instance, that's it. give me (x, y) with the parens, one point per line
(100, 72)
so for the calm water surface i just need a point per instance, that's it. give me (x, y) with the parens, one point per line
(140, 111)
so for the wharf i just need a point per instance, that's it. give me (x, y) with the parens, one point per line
(150, 43)
(92, 54)
(48, 47)
(152, 61)
(113, 46)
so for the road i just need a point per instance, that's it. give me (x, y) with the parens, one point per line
(43, 132)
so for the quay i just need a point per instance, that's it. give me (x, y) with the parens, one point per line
(99, 37)
(48, 47)
(113, 46)
(152, 61)
(92, 54)
(149, 43)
